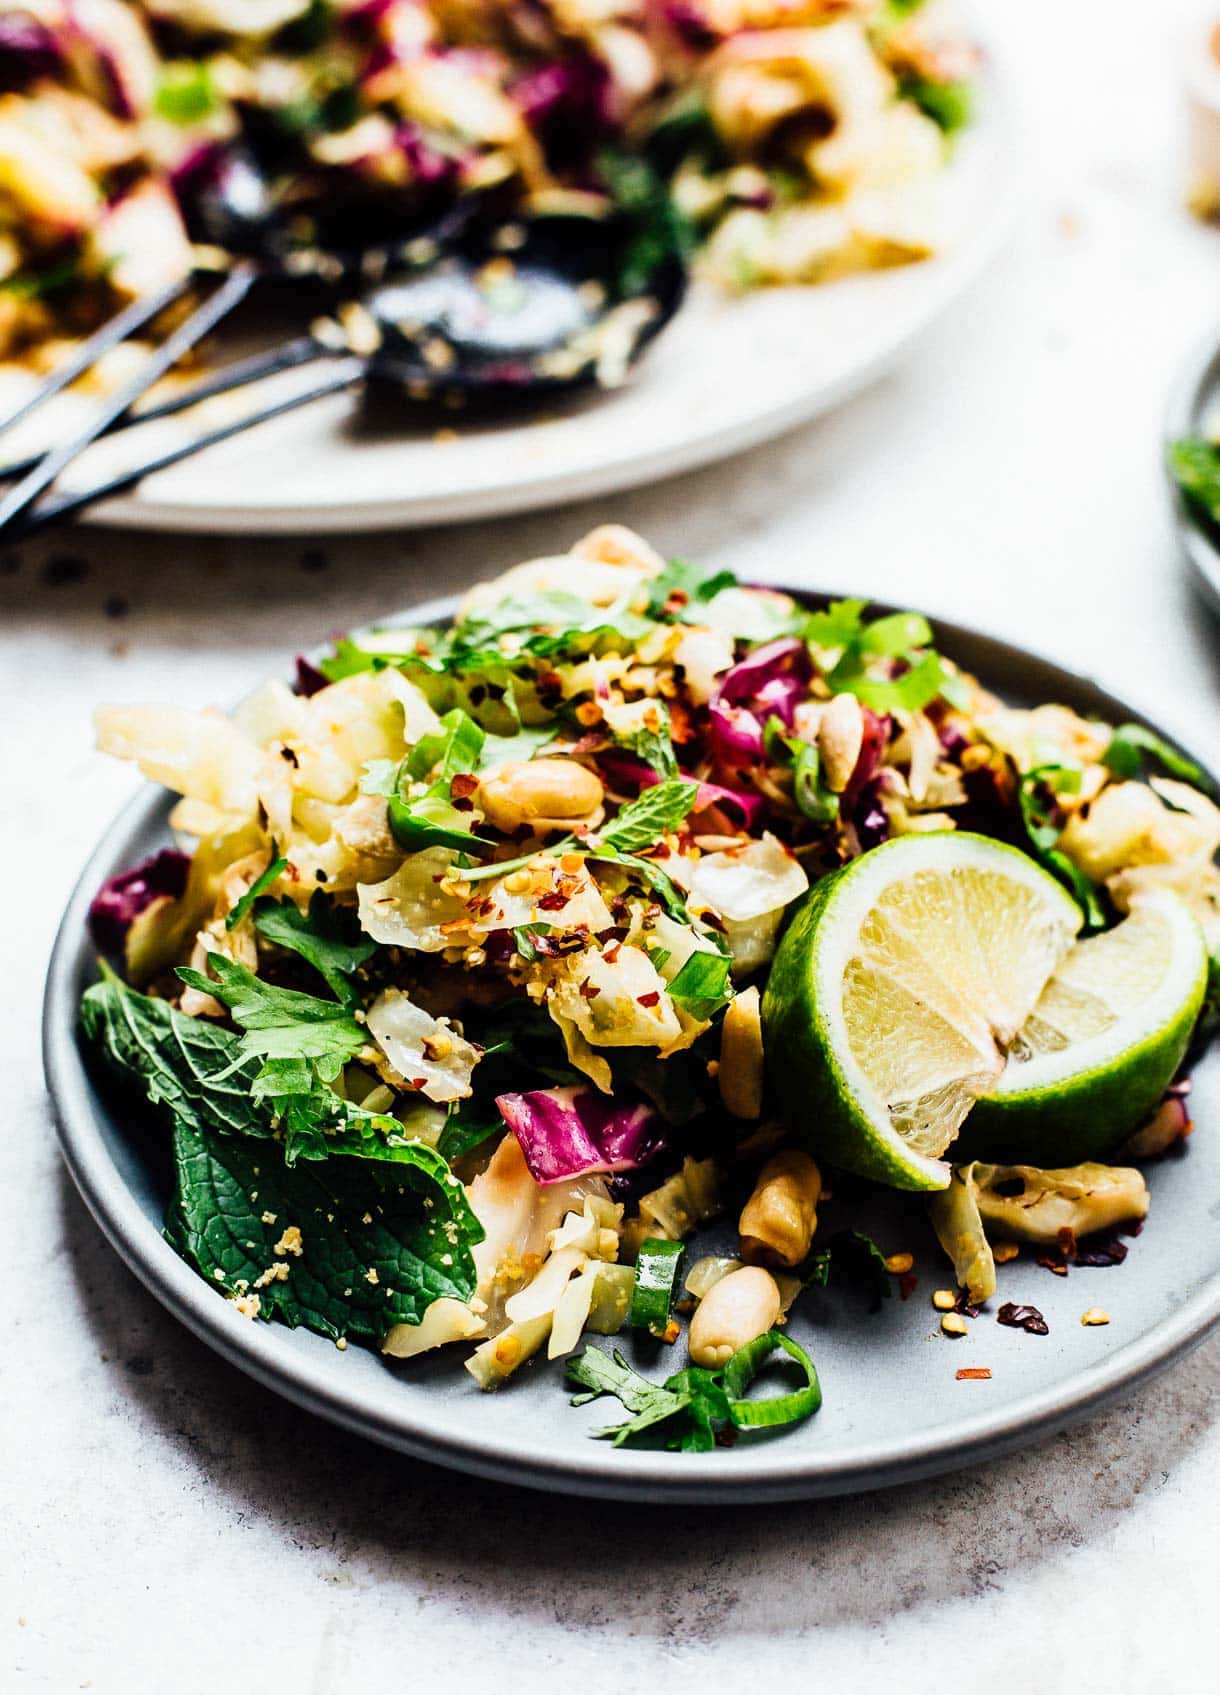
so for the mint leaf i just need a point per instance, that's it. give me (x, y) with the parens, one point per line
(377, 1244)
(328, 937)
(654, 747)
(643, 821)
(190, 1067)
(280, 1023)
(258, 887)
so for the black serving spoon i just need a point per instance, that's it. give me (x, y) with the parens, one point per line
(247, 233)
(487, 313)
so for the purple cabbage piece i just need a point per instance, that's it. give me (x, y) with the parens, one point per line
(625, 771)
(578, 1132)
(567, 103)
(121, 900)
(768, 683)
(428, 164)
(309, 680)
(28, 50)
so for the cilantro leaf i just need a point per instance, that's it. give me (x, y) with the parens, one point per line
(1037, 797)
(258, 887)
(185, 93)
(280, 1023)
(1195, 463)
(643, 821)
(328, 937)
(683, 588)
(950, 105)
(702, 986)
(1131, 745)
(837, 625)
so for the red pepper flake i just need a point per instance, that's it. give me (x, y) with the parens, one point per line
(965, 1305)
(650, 999)
(612, 952)
(463, 785)
(906, 1284)
(1024, 1318)
(461, 804)
(419, 1082)
(1067, 1242)
(1102, 1250)
(1058, 1266)
(588, 992)
(554, 902)
(974, 1374)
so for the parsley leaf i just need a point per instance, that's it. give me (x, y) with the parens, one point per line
(643, 821)
(328, 937)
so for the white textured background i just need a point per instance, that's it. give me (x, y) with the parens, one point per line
(166, 1526)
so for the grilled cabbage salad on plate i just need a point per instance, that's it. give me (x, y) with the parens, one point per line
(450, 994)
(800, 138)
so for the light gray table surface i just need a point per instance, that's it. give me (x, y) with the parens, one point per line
(167, 1526)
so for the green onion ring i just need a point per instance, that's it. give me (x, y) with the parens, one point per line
(776, 1410)
(656, 1272)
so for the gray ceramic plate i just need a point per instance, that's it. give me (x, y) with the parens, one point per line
(893, 1409)
(1194, 409)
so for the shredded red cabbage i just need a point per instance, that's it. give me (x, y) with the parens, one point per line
(121, 900)
(577, 1132)
(28, 50)
(567, 103)
(769, 683)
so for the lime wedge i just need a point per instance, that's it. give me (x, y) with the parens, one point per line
(896, 992)
(1101, 1045)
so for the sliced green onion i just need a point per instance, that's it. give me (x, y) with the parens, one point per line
(775, 1410)
(656, 1273)
(258, 887)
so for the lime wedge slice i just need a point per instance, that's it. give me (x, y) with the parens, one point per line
(1101, 1045)
(896, 992)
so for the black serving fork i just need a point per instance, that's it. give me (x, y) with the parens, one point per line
(496, 313)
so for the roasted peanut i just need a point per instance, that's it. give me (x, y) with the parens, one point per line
(840, 738)
(743, 1305)
(780, 1217)
(741, 1056)
(546, 794)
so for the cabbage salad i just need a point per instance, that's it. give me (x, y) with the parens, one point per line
(449, 992)
(800, 138)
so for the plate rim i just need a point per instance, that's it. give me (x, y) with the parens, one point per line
(964, 261)
(264, 1352)
(1198, 376)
